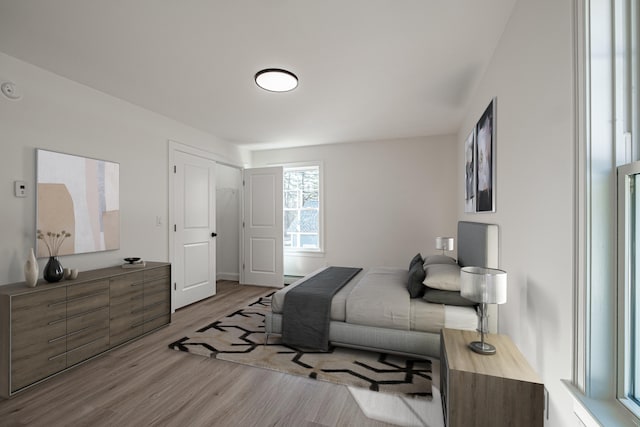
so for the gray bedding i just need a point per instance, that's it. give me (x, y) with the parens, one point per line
(478, 246)
(307, 308)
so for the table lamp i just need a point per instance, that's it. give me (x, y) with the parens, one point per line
(444, 243)
(484, 286)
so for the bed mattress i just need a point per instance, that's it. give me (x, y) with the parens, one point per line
(383, 302)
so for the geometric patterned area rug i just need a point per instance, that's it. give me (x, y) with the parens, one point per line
(240, 338)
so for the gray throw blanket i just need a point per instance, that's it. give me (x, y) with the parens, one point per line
(306, 312)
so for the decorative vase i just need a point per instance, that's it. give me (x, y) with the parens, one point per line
(53, 271)
(31, 270)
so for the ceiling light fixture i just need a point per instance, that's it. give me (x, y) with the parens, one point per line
(276, 80)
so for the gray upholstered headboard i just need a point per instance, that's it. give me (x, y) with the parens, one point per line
(477, 244)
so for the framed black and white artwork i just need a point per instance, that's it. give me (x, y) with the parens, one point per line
(470, 172)
(480, 163)
(485, 156)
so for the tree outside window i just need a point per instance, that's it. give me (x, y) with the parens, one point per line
(302, 207)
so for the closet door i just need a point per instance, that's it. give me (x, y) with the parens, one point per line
(263, 227)
(194, 264)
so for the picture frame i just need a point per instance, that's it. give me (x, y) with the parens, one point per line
(480, 163)
(80, 196)
(470, 172)
(485, 159)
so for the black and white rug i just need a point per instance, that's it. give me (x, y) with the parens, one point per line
(239, 337)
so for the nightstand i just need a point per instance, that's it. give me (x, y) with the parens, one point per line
(479, 390)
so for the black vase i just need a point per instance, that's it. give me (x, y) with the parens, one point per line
(53, 271)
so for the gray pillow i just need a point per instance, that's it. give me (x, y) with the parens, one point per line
(439, 259)
(438, 296)
(414, 282)
(416, 259)
(443, 276)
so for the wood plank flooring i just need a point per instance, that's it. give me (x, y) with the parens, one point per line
(145, 383)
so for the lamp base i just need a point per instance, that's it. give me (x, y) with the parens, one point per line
(482, 348)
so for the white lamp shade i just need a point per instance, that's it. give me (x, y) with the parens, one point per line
(483, 285)
(444, 243)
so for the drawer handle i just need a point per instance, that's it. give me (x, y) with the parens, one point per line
(88, 296)
(93, 310)
(53, 322)
(79, 331)
(56, 303)
(136, 284)
(85, 345)
(57, 356)
(52, 340)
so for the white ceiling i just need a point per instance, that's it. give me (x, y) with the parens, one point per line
(368, 69)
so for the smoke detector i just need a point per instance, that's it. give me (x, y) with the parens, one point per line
(10, 90)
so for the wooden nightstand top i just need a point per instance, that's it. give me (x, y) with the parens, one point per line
(508, 362)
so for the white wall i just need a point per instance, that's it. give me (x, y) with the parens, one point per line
(384, 200)
(228, 184)
(531, 75)
(60, 115)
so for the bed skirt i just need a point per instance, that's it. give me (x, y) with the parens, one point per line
(408, 343)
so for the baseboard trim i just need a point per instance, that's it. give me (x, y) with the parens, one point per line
(228, 276)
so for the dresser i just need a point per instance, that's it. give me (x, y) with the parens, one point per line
(54, 326)
(493, 391)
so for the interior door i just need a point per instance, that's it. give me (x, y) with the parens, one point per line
(194, 268)
(263, 239)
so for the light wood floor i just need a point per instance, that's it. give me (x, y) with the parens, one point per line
(145, 383)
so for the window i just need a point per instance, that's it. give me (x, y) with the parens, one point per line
(607, 322)
(302, 213)
(629, 284)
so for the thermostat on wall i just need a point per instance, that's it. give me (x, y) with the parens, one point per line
(20, 188)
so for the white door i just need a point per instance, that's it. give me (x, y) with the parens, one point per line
(263, 226)
(194, 265)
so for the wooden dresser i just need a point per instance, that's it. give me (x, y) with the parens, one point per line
(493, 391)
(51, 327)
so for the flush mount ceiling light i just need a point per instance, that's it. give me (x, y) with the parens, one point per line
(276, 80)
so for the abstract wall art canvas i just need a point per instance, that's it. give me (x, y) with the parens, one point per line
(80, 196)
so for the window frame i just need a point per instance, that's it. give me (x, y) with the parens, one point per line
(607, 116)
(320, 249)
(625, 301)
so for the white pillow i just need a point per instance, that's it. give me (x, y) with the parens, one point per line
(443, 276)
(438, 259)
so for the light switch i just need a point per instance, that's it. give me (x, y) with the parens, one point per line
(20, 188)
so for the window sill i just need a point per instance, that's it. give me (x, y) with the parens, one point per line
(303, 253)
(599, 412)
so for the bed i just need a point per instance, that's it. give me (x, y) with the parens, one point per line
(376, 311)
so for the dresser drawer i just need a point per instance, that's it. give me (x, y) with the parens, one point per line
(97, 344)
(30, 312)
(154, 322)
(87, 298)
(91, 320)
(153, 298)
(157, 273)
(128, 308)
(32, 362)
(123, 286)
(123, 329)
(85, 333)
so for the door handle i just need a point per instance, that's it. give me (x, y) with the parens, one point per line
(214, 234)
